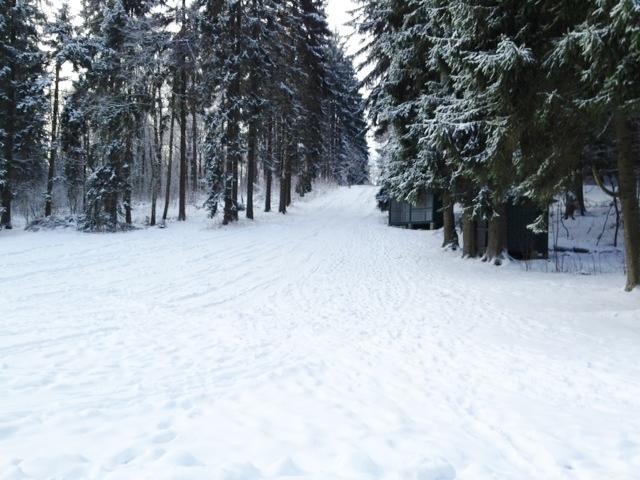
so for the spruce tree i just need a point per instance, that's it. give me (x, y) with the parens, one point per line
(346, 153)
(60, 38)
(604, 48)
(23, 103)
(312, 45)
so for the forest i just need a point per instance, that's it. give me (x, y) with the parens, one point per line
(487, 102)
(172, 99)
(491, 102)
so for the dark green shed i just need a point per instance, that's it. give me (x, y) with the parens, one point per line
(522, 243)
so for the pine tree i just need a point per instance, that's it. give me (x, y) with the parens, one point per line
(23, 104)
(221, 24)
(346, 155)
(184, 53)
(60, 34)
(603, 49)
(73, 131)
(312, 45)
(116, 99)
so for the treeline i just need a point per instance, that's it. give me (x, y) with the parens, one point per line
(492, 101)
(200, 97)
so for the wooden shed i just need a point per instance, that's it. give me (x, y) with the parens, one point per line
(522, 243)
(425, 213)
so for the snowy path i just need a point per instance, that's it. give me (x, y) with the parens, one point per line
(320, 345)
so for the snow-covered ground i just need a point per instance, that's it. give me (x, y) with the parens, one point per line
(320, 345)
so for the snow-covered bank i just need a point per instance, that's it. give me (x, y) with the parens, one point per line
(322, 345)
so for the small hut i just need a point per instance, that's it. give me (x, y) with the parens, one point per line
(425, 213)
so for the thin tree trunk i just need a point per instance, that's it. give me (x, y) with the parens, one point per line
(282, 206)
(234, 185)
(469, 238)
(628, 201)
(127, 176)
(268, 171)
(251, 166)
(497, 241)
(157, 161)
(288, 175)
(6, 195)
(268, 181)
(579, 191)
(229, 204)
(233, 130)
(182, 196)
(87, 153)
(167, 197)
(53, 150)
(194, 149)
(449, 222)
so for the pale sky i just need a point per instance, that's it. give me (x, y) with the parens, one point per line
(338, 15)
(337, 11)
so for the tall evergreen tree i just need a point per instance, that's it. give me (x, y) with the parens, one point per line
(604, 49)
(60, 38)
(23, 103)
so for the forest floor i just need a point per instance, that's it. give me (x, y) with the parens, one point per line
(317, 345)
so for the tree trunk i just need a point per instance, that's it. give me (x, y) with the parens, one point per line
(628, 200)
(251, 166)
(233, 128)
(167, 194)
(127, 176)
(288, 176)
(497, 241)
(53, 150)
(268, 170)
(268, 181)
(156, 165)
(5, 218)
(469, 243)
(449, 222)
(282, 204)
(5, 188)
(578, 186)
(234, 185)
(194, 149)
(230, 162)
(182, 196)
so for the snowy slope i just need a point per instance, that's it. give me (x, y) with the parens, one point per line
(320, 345)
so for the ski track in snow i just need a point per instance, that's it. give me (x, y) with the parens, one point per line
(318, 345)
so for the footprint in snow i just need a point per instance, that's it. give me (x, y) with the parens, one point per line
(156, 454)
(360, 464)
(185, 459)
(287, 468)
(164, 424)
(164, 437)
(7, 431)
(125, 456)
(243, 471)
(433, 469)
